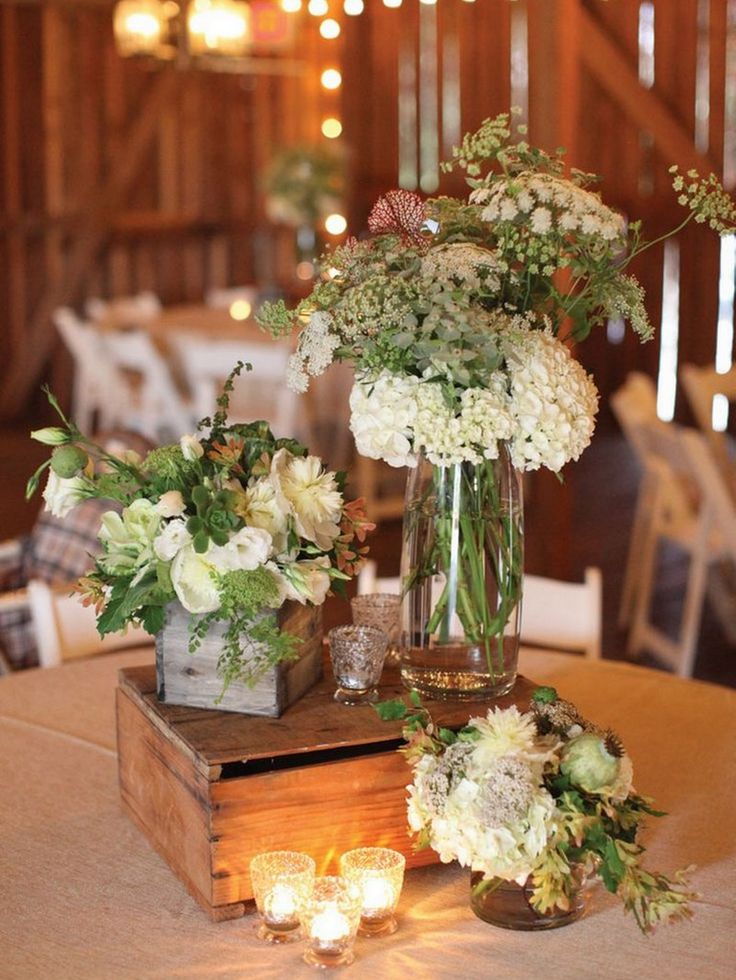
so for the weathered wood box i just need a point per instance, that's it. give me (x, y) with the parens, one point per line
(192, 680)
(211, 789)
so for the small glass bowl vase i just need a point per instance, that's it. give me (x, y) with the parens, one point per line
(508, 905)
(378, 872)
(330, 922)
(382, 610)
(282, 883)
(357, 654)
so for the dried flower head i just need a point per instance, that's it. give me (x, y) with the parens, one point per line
(399, 212)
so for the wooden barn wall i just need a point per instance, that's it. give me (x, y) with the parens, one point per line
(117, 178)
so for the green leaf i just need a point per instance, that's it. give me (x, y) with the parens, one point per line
(447, 736)
(394, 710)
(415, 698)
(125, 600)
(153, 619)
(201, 542)
(200, 497)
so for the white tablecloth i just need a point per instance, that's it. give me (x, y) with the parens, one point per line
(83, 895)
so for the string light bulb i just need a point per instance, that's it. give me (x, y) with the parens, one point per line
(318, 8)
(291, 6)
(331, 78)
(329, 29)
(353, 8)
(335, 224)
(331, 128)
(392, 3)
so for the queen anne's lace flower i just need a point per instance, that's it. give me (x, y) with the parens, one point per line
(548, 204)
(553, 401)
(464, 264)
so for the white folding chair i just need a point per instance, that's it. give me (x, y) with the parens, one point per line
(702, 386)
(159, 411)
(634, 405)
(258, 394)
(67, 630)
(98, 389)
(678, 457)
(562, 615)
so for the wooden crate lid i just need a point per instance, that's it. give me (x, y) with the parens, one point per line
(316, 725)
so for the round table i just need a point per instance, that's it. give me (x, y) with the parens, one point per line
(83, 895)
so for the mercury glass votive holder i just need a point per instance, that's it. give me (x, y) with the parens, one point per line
(282, 883)
(357, 654)
(378, 873)
(382, 610)
(330, 922)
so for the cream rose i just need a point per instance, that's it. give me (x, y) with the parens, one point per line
(171, 540)
(62, 496)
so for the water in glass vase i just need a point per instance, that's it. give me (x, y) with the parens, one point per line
(462, 563)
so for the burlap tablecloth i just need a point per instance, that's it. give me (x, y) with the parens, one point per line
(83, 895)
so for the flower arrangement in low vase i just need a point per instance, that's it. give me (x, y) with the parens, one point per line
(534, 803)
(232, 525)
(457, 315)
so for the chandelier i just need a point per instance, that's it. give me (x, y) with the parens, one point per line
(221, 35)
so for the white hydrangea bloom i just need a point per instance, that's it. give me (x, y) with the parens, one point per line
(553, 401)
(382, 414)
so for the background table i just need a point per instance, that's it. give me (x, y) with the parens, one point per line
(82, 895)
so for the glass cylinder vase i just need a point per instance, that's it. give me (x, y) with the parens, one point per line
(508, 905)
(461, 571)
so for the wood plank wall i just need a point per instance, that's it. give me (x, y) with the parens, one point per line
(104, 193)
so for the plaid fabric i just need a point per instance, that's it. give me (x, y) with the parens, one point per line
(57, 551)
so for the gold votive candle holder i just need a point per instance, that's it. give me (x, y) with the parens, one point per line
(282, 884)
(378, 873)
(382, 610)
(330, 920)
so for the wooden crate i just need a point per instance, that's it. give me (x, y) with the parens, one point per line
(211, 789)
(192, 680)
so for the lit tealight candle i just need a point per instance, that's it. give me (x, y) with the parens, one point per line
(330, 921)
(329, 930)
(282, 882)
(378, 872)
(378, 897)
(281, 909)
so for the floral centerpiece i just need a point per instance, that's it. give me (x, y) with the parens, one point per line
(534, 803)
(231, 524)
(457, 315)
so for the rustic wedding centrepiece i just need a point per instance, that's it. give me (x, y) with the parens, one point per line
(456, 315)
(221, 540)
(534, 803)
